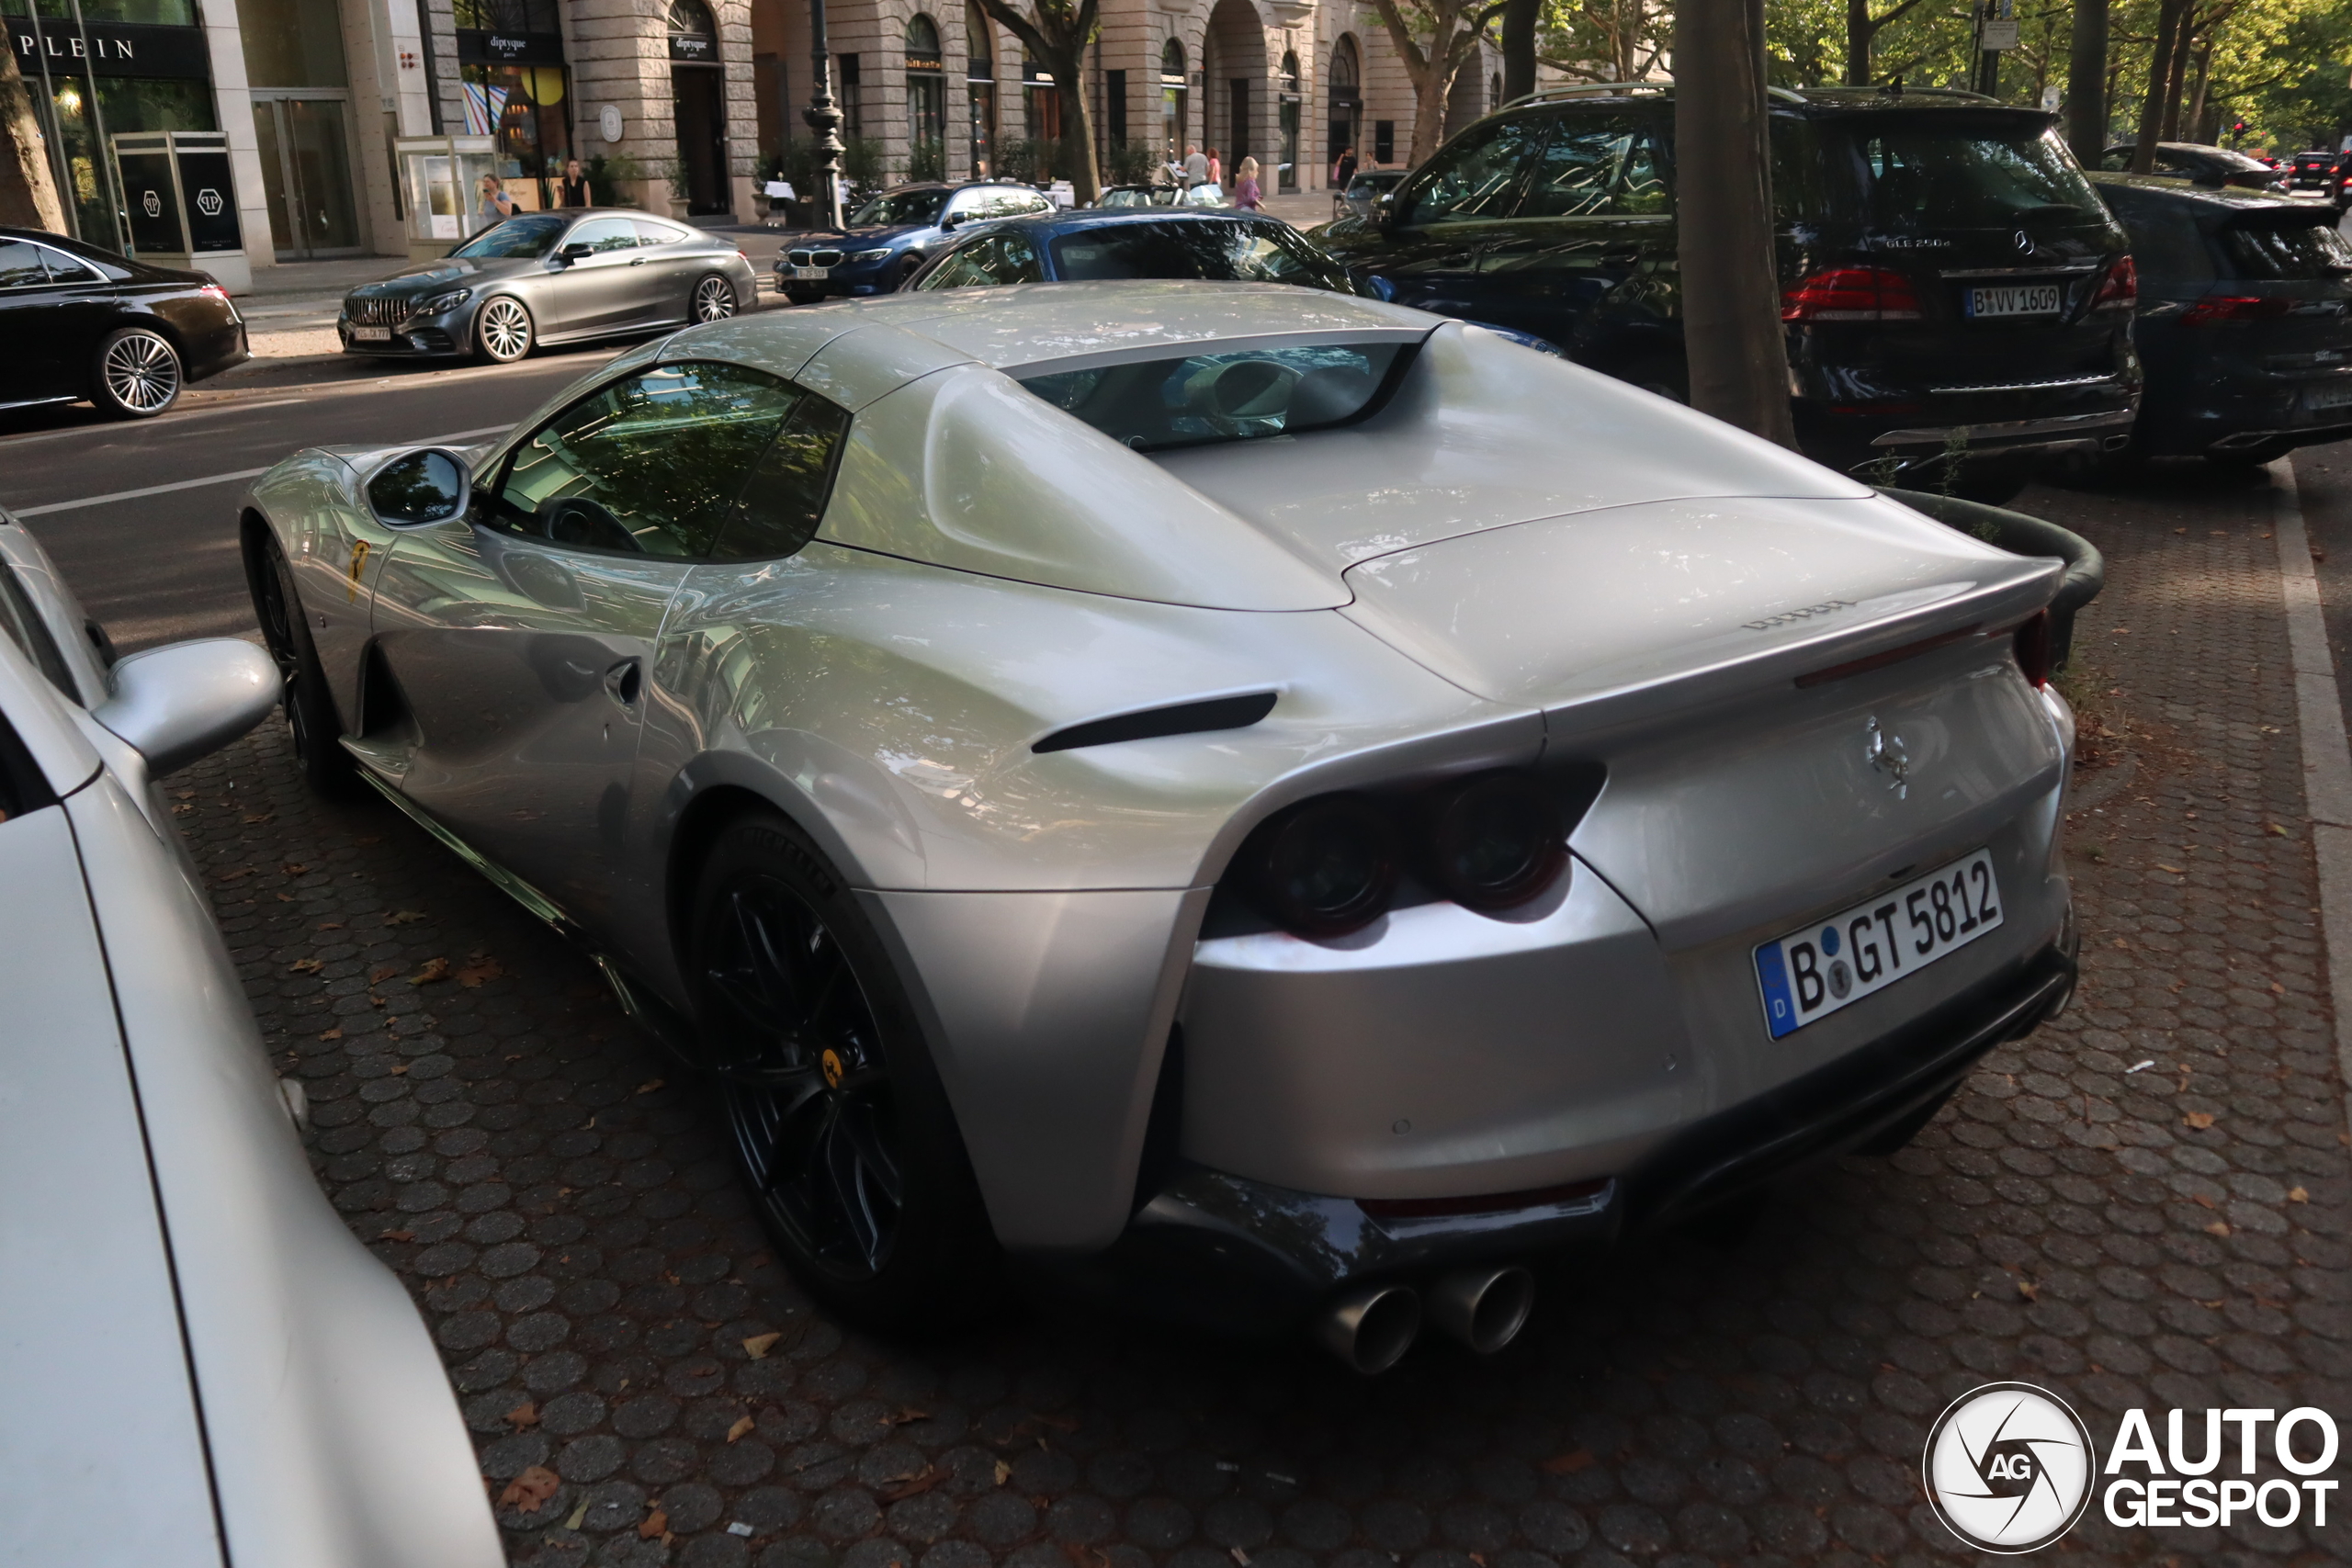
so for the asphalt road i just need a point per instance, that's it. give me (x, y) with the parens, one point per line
(162, 566)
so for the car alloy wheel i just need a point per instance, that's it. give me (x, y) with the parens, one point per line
(311, 722)
(714, 299)
(138, 372)
(503, 329)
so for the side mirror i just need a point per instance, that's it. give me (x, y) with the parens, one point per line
(175, 704)
(569, 254)
(949, 220)
(1384, 209)
(418, 487)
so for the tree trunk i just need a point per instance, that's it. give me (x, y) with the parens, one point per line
(1077, 162)
(2196, 114)
(2087, 83)
(2176, 83)
(1429, 107)
(28, 194)
(2172, 19)
(1858, 43)
(1520, 18)
(1731, 286)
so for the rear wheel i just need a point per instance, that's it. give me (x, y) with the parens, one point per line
(310, 720)
(503, 330)
(714, 299)
(840, 1126)
(138, 374)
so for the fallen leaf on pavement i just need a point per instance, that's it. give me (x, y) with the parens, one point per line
(292, 869)
(2218, 1227)
(2273, 829)
(2297, 1195)
(649, 1086)
(528, 1492)
(2173, 869)
(234, 875)
(2028, 1289)
(405, 917)
(336, 1033)
(382, 973)
(2200, 1119)
(903, 1416)
(397, 1236)
(656, 1523)
(1570, 1462)
(743, 1428)
(256, 821)
(758, 1346)
(899, 1488)
(523, 1415)
(1003, 1473)
(308, 966)
(435, 969)
(477, 970)
(578, 1515)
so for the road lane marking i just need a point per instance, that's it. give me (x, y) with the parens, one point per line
(217, 479)
(2327, 759)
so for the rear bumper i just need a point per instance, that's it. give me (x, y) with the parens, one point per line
(1222, 1252)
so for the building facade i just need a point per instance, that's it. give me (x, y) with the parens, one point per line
(286, 117)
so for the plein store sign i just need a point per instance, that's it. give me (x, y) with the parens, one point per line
(108, 49)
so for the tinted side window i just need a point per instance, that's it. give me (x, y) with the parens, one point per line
(647, 466)
(786, 497)
(63, 268)
(20, 266)
(1594, 167)
(658, 234)
(602, 234)
(989, 262)
(22, 625)
(2311, 250)
(1478, 177)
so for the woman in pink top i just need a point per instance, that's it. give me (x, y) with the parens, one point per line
(1216, 170)
(1245, 187)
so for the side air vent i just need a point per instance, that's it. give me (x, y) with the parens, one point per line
(1177, 718)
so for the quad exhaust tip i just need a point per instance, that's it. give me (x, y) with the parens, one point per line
(1372, 1326)
(1483, 1308)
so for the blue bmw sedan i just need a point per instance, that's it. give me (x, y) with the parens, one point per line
(889, 240)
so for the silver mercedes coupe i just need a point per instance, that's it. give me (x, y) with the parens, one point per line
(1267, 804)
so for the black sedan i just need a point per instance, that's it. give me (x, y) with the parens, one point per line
(566, 275)
(2201, 164)
(82, 323)
(2244, 320)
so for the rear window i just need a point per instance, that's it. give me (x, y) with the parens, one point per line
(2286, 251)
(1157, 404)
(1219, 252)
(1939, 172)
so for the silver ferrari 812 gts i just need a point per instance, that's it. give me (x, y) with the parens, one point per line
(1266, 804)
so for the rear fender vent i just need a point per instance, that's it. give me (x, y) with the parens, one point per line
(1177, 718)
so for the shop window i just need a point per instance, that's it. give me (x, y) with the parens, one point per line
(1172, 97)
(980, 87)
(926, 101)
(292, 43)
(1384, 140)
(523, 107)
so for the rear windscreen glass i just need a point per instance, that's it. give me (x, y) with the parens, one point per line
(1160, 403)
(2271, 250)
(1935, 172)
(1219, 251)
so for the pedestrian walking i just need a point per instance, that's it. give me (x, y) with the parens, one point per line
(1216, 170)
(1196, 168)
(574, 187)
(1343, 168)
(1245, 186)
(495, 203)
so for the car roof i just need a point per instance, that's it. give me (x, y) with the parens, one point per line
(1825, 101)
(2212, 200)
(1092, 217)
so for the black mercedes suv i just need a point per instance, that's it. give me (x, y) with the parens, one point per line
(1956, 297)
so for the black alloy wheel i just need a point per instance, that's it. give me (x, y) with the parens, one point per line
(839, 1124)
(310, 720)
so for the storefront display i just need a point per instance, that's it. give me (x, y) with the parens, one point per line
(515, 88)
(439, 176)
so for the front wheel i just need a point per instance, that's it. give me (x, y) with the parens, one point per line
(138, 374)
(839, 1124)
(310, 720)
(503, 330)
(714, 299)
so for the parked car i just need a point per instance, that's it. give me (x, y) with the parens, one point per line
(2244, 320)
(887, 241)
(2204, 165)
(81, 323)
(2315, 170)
(1364, 190)
(199, 1363)
(1952, 282)
(566, 275)
(1182, 781)
(1120, 197)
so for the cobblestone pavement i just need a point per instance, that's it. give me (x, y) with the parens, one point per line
(558, 1200)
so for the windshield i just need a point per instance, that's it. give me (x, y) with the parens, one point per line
(898, 208)
(530, 236)
(1218, 252)
(1954, 172)
(1159, 404)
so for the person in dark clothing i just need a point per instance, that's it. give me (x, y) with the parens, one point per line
(572, 189)
(1344, 169)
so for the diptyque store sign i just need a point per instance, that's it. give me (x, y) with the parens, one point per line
(109, 48)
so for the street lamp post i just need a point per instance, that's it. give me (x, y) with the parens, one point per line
(824, 118)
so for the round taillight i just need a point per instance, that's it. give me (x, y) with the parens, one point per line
(1494, 841)
(1323, 868)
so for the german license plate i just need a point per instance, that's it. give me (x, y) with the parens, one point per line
(812, 274)
(1810, 974)
(2027, 299)
(371, 334)
(2333, 395)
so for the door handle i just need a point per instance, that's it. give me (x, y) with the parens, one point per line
(636, 261)
(623, 681)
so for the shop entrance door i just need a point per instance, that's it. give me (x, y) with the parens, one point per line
(306, 175)
(702, 136)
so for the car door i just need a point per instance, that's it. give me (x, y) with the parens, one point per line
(517, 638)
(1594, 212)
(33, 325)
(1446, 215)
(672, 261)
(602, 285)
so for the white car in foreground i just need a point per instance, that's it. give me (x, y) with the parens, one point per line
(199, 1363)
